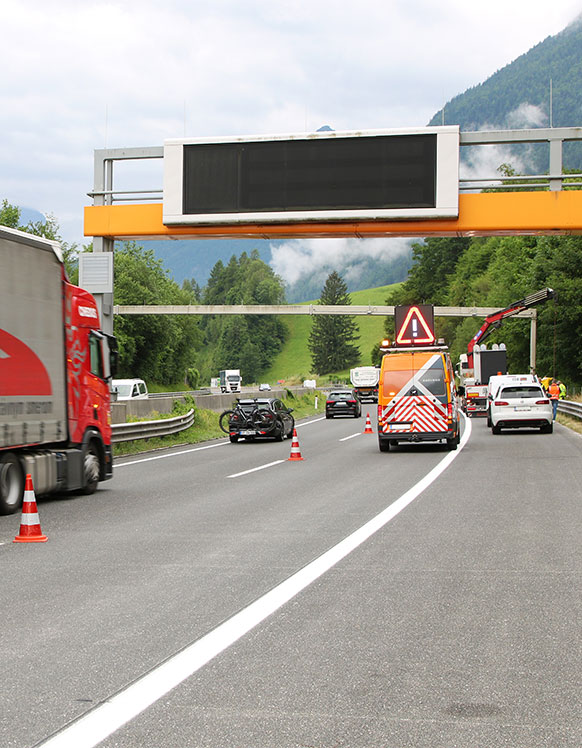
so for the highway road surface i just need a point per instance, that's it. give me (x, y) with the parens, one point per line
(223, 596)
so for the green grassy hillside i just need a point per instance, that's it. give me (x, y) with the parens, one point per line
(294, 362)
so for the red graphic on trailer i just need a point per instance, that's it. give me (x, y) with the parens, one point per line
(417, 327)
(21, 370)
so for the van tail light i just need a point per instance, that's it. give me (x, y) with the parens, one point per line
(501, 402)
(542, 402)
(450, 410)
(379, 412)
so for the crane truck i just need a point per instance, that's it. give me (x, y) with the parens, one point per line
(479, 364)
(55, 369)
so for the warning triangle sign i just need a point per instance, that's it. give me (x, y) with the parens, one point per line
(414, 324)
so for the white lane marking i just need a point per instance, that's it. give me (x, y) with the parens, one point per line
(308, 423)
(172, 454)
(91, 729)
(349, 437)
(253, 470)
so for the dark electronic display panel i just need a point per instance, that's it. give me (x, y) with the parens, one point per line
(396, 171)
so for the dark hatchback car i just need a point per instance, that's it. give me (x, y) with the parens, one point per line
(342, 403)
(260, 417)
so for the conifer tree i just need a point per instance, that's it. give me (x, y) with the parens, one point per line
(332, 339)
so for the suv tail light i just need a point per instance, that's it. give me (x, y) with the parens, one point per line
(542, 402)
(501, 402)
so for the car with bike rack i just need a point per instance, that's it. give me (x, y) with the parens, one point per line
(254, 418)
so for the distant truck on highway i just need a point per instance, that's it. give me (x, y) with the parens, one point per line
(230, 380)
(55, 369)
(365, 380)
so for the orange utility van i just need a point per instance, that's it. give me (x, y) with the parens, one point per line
(417, 397)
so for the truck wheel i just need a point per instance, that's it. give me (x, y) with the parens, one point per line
(11, 484)
(91, 467)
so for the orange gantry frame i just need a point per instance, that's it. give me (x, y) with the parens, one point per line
(480, 214)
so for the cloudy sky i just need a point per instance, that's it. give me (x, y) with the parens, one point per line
(79, 76)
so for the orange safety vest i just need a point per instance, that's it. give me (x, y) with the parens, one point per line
(554, 392)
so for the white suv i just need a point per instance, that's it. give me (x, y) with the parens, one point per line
(521, 405)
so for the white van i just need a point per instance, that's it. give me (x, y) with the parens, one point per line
(129, 389)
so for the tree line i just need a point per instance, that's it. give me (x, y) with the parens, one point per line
(495, 272)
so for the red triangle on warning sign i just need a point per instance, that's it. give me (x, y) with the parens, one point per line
(415, 329)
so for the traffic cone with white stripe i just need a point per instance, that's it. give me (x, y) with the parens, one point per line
(295, 451)
(30, 531)
(368, 429)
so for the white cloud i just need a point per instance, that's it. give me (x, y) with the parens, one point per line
(291, 260)
(527, 115)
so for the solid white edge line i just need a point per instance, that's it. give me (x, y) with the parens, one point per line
(308, 423)
(98, 724)
(171, 454)
(254, 470)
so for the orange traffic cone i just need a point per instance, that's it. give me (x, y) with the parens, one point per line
(30, 531)
(295, 451)
(368, 429)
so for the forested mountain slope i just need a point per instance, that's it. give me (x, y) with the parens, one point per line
(518, 96)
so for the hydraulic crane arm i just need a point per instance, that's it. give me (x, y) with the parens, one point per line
(493, 321)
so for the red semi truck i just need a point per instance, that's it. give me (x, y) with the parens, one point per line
(55, 369)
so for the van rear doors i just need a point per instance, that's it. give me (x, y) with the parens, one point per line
(416, 398)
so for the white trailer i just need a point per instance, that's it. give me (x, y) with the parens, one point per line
(365, 380)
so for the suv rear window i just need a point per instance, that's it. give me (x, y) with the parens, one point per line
(512, 392)
(340, 396)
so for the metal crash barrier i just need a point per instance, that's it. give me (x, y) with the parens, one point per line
(125, 432)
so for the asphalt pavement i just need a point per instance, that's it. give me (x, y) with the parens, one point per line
(455, 623)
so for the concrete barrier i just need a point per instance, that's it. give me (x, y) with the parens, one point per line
(121, 412)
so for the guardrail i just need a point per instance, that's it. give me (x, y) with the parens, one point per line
(570, 408)
(125, 432)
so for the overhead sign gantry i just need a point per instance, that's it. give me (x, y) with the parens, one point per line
(325, 176)
(370, 183)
